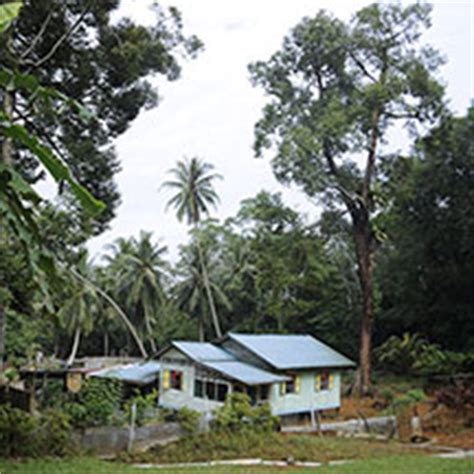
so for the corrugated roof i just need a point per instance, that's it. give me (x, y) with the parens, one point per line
(203, 351)
(142, 373)
(245, 373)
(291, 351)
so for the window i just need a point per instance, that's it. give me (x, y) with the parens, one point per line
(210, 390)
(264, 392)
(198, 388)
(324, 381)
(222, 390)
(176, 379)
(292, 386)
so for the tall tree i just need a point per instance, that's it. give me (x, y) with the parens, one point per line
(193, 183)
(140, 270)
(336, 89)
(80, 51)
(427, 274)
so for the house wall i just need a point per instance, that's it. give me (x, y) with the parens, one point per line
(176, 399)
(308, 398)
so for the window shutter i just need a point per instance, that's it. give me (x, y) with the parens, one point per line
(166, 379)
(331, 381)
(297, 384)
(317, 383)
(282, 388)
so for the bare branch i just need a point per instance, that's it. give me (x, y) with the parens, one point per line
(41, 32)
(62, 39)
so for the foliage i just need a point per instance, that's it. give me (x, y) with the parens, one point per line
(145, 407)
(97, 403)
(426, 269)
(440, 362)
(188, 420)
(26, 435)
(408, 399)
(237, 414)
(399, 354)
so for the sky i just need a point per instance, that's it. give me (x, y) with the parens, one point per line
(211, 110)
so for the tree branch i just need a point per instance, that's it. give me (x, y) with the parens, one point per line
(41, 32)
(62, 39)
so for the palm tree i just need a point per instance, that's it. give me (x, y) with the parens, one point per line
(139, 270)
(77, 310)
(194, 194)
(191, 290)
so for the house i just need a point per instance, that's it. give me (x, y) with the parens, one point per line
(295, 374)
(139, 376)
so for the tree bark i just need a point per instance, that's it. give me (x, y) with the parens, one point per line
(106, 343)
(75, 347)
(364, 251)
(3, 327)
(207, 285)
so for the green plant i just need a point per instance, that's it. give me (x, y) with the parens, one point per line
(25, 435)
(238, 413)
(98, 403)
(398, 354)
(412, 397)
(189, 420)
(144, 406)
(433, 361)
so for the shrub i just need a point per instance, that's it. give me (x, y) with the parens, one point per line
(237, 413)
(26, 435)
(412, 397)
(97, 403)
(189, 420)
(145, 405)
(437, 362)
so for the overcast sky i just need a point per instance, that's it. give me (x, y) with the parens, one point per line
(210, 112)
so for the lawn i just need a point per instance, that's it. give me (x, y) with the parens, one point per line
(275, 446)
(392, 465)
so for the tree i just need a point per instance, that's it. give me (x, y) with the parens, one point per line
(336, 89)
(77, 310)
(427, 274)
(194, 194)
(193, 286)
(76, 49)
(139, 270)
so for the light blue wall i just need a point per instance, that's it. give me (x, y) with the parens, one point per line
(308, 398)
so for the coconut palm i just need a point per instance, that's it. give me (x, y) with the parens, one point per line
(193, 183)
(139, 270)
(191, 293)
(77, 310)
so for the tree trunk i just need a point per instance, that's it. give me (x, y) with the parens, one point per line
(3, 327)
(75, 347)
(201, 329)
(117, 308)
(207, 285)
(106, 343)
(150, 335)
(364, 250)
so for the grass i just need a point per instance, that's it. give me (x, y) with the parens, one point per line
(392, 465)
(274, 446)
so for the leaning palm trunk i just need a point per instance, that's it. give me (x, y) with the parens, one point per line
(207, 285)
(117, 308)
(3, 326)
(150, 334)
(75, 347)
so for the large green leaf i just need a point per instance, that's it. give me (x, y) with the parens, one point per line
(56, 168)
(8, 12)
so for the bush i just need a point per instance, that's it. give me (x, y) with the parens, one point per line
(189, 420)
(26, 435)
(412, 397)
(459, 396)
(146, 405)
(237, 413)
(437, 362)
(98, 403)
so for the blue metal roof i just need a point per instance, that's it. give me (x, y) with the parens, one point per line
(203, 351)
(245, 373)
(291, 351)
(142, 373)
